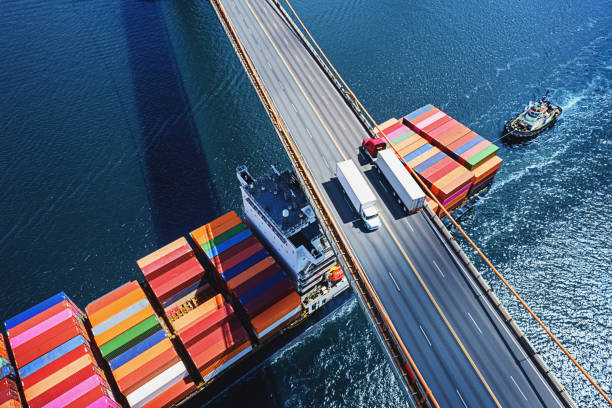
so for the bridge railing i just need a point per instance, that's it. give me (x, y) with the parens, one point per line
(404, 363)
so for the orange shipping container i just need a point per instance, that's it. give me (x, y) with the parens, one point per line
(454, 185)
(409, 148)
(173, 394)
(124, 326)
(141, 359)
(424, 116)
(263, 320)
(216, 227)
(117, 306)
(249, 273)
(448, 178)
(420, 159)
(160, 253)
(487, 168)
(121, 291)
(60, 375)
(208, 369)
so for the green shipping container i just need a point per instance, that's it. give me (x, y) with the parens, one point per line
(223, 237)
(402, 137)
(130, 338)
(481, 156)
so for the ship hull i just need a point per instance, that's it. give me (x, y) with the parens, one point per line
(514, 136)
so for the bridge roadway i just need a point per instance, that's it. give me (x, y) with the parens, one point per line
(326, 131)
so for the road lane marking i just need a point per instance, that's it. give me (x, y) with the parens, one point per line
(441, 313)
(309, 134)
(293, 107)
(519, 388)
(409, 225)
(459, 394)
(439, 270)
(393, 279)
(426, 338)
(474, 321)
(295, 79)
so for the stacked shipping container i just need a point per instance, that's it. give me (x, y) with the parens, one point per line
(457, 141)
(148, 371)
(55, 361)
(9, 393)
(446, 178)
(250, 274)
(208, 327)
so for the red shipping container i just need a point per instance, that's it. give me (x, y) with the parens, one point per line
(392, 128)
(443, 171)
(435, 167)
(8, 394)
(173, 394)
(226, 255)
(152, 369)
(64, 386)
(256, 280)
(55, 365)
(441, 129)
(218, 343)
(41, 317)
(51, 339)
(436, 124)
(8, 383)
(178, 279)
(111, 297)
(453, 186)
(267, 299)
(206, 325)
(167, 262)
(236, 259)
(475, 150)
(90, 397)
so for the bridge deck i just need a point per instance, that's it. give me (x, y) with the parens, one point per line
(326, 130)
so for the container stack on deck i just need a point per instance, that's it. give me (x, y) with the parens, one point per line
(250, 274)
(453, 161)
(459, 142)
(9, 392)
(54, 358)
(446, 178)
(208, 327)
(147, 369)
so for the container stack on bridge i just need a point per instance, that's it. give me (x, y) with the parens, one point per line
(205, 323)
(147, 369)
(55, 360)
(9, 390)
(454, 162)
(250, 275)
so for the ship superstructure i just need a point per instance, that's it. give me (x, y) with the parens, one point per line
(276, 207)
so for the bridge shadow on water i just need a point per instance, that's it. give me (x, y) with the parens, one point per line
(174, 165)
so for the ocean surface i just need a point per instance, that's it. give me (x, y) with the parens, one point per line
(122, 123)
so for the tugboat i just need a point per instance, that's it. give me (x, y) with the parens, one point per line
(536, 118)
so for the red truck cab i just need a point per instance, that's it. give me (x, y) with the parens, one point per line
(373, 145)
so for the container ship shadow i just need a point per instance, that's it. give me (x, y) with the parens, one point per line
(173, 162)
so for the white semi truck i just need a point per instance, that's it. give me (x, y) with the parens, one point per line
(359, 193)
(405, 188)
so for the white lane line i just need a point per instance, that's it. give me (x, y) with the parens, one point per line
(393, 279)
(474, 321)
(426, 338)
(294, 108)
(439, 270)
(342, 125)
(519, 388)
(308, 131)
(410, 226)
(459, 394)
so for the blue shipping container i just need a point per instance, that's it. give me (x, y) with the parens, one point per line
(467, 146)
(229, 243)
(119, 317)
(51, 356)
(418, 152)
(262, 288)
(244, 265)
(140, 348)
(430, 162)
(418, 112)
(34, 310)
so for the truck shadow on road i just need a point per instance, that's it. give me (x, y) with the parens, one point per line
(384, 191)
(348, 215)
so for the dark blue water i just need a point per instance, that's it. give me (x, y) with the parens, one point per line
(122, 123)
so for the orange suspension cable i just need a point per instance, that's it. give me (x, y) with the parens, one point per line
(482, 255)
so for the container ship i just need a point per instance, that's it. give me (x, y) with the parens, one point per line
(214, 306)
(454, 162)
(209, 309)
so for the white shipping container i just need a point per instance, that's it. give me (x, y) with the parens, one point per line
(405, 187)
(153, 388)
